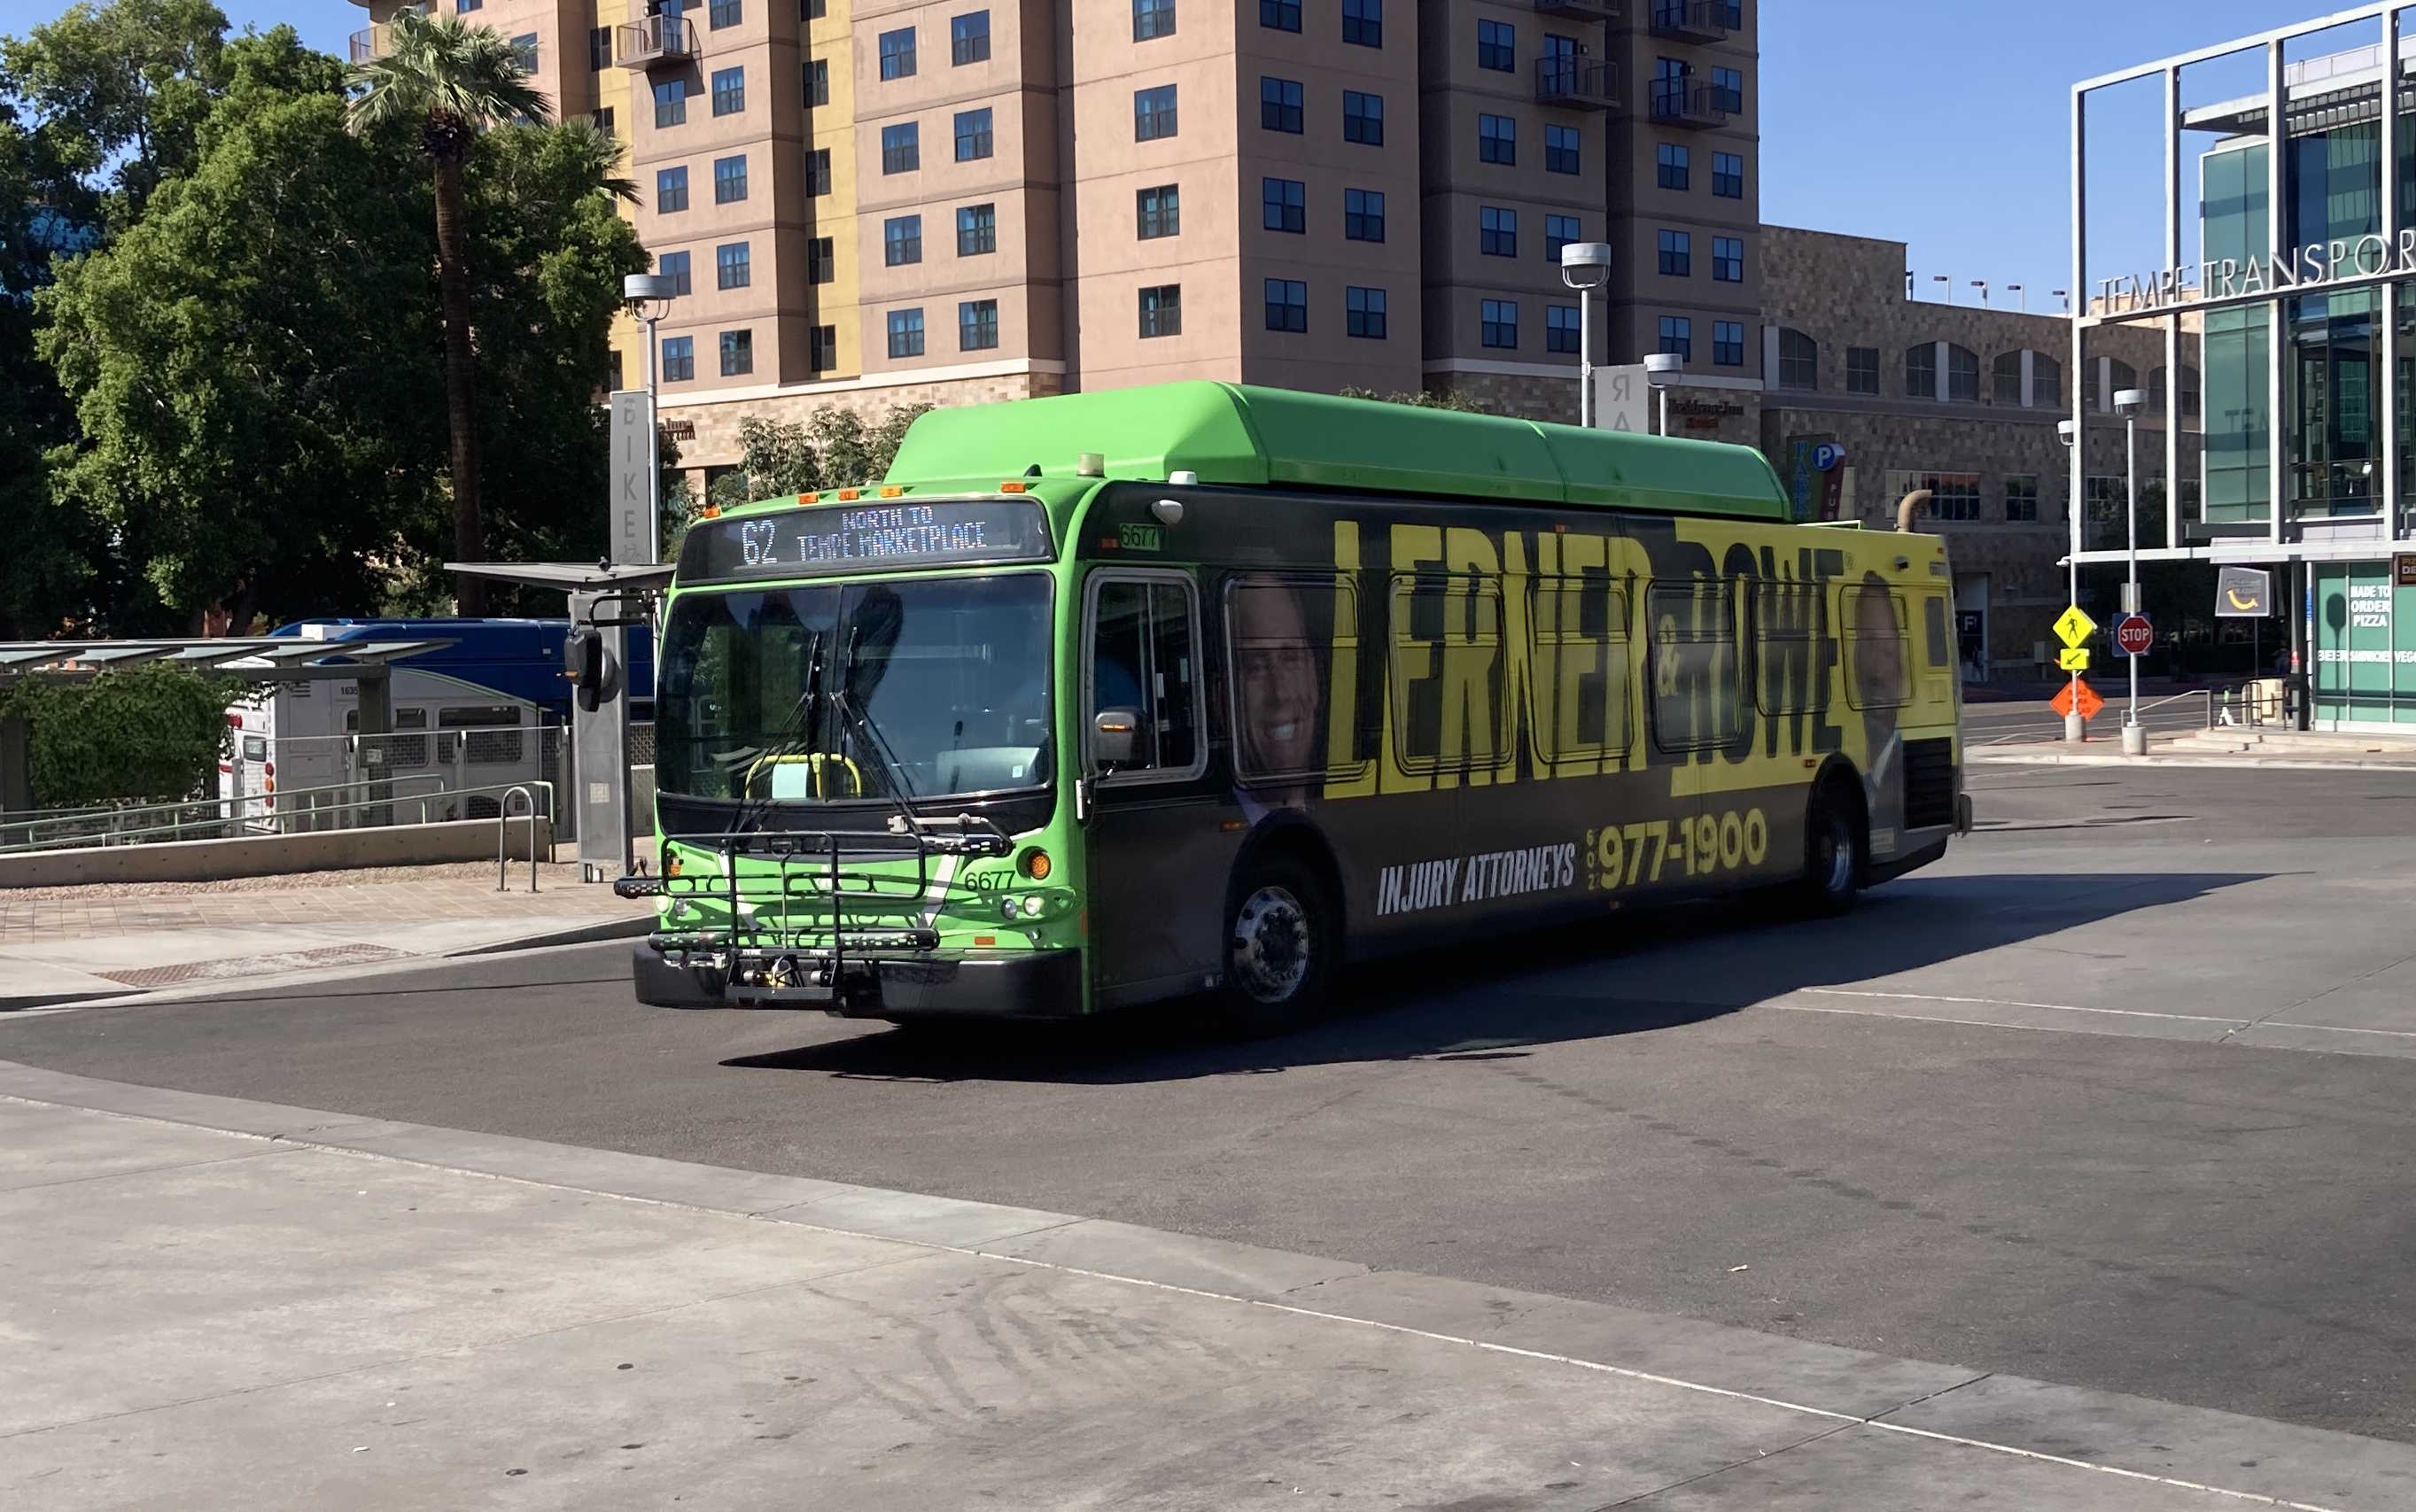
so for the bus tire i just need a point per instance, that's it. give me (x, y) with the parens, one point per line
(1836, 851)
(1281, 941)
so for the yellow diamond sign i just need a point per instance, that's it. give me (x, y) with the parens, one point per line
(2072, 626)
(2073, 659)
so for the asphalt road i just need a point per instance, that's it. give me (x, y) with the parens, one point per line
(1769, 1124)
(2006, 722)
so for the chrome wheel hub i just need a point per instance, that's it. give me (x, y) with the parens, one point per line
(1271, 946)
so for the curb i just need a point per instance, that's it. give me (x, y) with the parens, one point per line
(1982, 756)
(2133, 1438)
(635, 928)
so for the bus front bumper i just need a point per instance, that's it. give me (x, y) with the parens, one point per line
(1041, 984)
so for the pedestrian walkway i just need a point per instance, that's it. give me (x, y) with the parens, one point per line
(221, 1304)
(82, 942)
(2224, 747)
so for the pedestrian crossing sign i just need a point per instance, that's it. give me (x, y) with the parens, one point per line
(2073, 659)
(2072, 626)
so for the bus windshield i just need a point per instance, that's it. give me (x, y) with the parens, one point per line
(927, 689)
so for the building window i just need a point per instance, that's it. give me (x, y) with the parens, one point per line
(722, 13)
(1363, 215)
(906, 332)
(818, 81)
(1862, 370)
(1727, 175)
(1728, 343)
(2007, 375)
(1362, 118)
(1677, 254)
(670, 103)
(1727, 90)
(969, 42)
(821, 348)
(1364, 313)
(1799, 360)
(737, 353)
(1154, 113)
(1921, 371)
(671, 190)
(1559, 230)
(1287, 305)
(812, 10)
(1962, 375)
(679, 359)
(1499, 324)
(732, 269)
(1153, 18)
(1673, 166)
(897, 53)
(2021, 499)
(818, 172)
(1363, 23)
(524, 51)
(976, 324)
(1161, 311)
(1955, 495)
(1279, 15)
(2047, 385)
(599, 48)
(1158, 212)
(1497, 230)
(1497, 46)
(1560, 154)
(1286, 204)
(974, 137)
(901, 148)
(729, 91)
(1563, 328)
(1280, 104)
(1728, 260)
(976, 229)
(822, 261)
(603, 120)
(1497, 139)
(673, 265)
(730, 179)
(2192, 392)
(1677, 337)
(901, 241)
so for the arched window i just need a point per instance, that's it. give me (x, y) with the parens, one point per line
(2047, 382)
(2008, 378)
(2157, 389)
(1921, 371)
(2119, 375)
(1799, 360)
(2191, 397)
(1962, 375)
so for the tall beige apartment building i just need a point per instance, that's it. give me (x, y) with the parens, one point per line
(884, 201)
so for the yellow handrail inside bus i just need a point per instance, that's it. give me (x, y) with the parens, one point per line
(819, 768)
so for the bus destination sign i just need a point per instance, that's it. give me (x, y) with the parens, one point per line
(814, 541)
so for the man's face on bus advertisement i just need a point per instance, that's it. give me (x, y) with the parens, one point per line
(1277, 673)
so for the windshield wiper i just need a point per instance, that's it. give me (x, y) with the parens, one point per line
(893, 771)
(798, 733)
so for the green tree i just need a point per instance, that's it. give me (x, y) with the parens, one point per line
(117, 93)
(149, 731)
(776, 456)
(833, 447)
(1448, 399)
(451, 81)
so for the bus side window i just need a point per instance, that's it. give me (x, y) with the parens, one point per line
(1878, 665)
(1933, 628)
(1691, 627)
(1144, 659)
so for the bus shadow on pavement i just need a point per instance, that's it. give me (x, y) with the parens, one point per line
(1634, 975)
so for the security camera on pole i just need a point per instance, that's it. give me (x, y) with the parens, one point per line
(1585, 267)
(1661, 369)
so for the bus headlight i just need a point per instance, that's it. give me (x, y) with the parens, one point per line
(1007, 909)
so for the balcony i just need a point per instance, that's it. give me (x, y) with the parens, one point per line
(1696, 21)
(655, 40)
(1579, 10)
(1576, 83)
(1684, 102)
(371, 42)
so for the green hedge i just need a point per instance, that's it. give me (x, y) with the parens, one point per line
(152, 731)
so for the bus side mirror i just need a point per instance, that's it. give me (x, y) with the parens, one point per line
(582, 665)
(1114, 733)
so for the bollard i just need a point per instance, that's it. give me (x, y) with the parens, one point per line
(503, 833)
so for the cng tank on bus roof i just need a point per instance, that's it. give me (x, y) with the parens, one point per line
(1247, 436)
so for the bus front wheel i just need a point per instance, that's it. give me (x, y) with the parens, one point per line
(1280, 946)
(1834, 846)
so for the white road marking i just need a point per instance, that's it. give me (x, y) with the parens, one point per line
(2010, 1003)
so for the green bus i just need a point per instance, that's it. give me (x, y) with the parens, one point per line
(1112, 698)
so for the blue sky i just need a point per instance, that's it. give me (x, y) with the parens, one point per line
(1938, 123)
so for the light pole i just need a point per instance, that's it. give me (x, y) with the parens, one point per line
(1661, 369)
(2015, 288)
(2128, 403)
(1585, 267)
(1981, 284)
(2076, 727)
(1940, 277)
(650, 297)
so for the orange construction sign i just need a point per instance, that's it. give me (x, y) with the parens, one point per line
(2078, 692)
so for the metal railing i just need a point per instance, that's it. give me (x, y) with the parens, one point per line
(1591, 83)
(503, 829)
(655, 40)
(232, 824)
(1684, 102)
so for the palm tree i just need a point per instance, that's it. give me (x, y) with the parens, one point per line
(451, 82)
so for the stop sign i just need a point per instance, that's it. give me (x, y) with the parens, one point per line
(2135, 635)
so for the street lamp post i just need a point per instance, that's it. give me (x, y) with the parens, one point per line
(2075, 726)
(1585, 267)
(650, 296)
(2128, 403)
(2015, 288)
(1661, 369)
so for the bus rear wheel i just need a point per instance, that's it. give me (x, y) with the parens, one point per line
(1834, 844)
(1280, 945)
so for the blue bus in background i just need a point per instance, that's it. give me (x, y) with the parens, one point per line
(477, 714)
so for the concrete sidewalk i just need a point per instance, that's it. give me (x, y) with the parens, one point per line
(97, 943)
(2219, 747)
(220, 1303)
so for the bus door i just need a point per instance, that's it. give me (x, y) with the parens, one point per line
(1155, 847)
